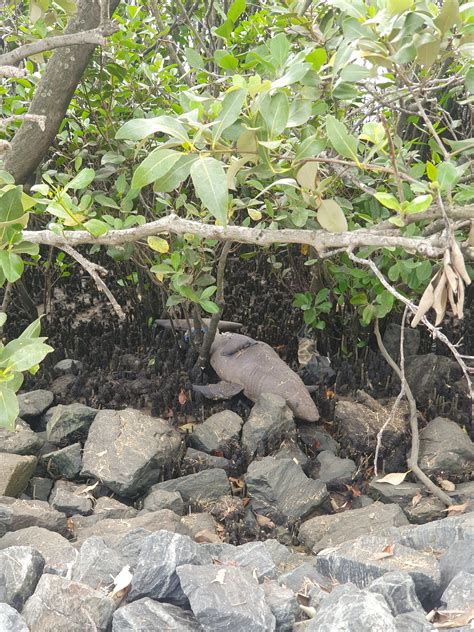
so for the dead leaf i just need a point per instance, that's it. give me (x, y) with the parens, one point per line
(122, 583)
(220, 576)
(395, 478)
(304, 249)
(458, 262)
(453, 619)
(309, 611)
(416, 499)
(387, 551)
(440, 298)
(187, 428)
(264, 522)
(237, 482)
(182, 397)
(426, 302)
(448, 486)
(88, 489)
(454, 510)
(206, 537)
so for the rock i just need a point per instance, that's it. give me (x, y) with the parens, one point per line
(22, 441)
(321, 532)
(458, 557)
(317, 440)
(289, 449)
(412, 622)
(398, 590)
(97, 564)
(334, 471)
(64, 463)
(440, 534)
(146, 614)
(106, 507)
(196, 524)
(39, 488)
(66, 497)
(218, 433)
(401, 494)
(10, 620)
(226, 598)
(161, 499)
(20, 570)
(465, 493)
(352, 610)
(199, 490)
(15, 472)
(69, 424)
(155, 575)
(283, 558)
(20, 514)
(459, 594)
(283, 605)
(63, 385)
(59, 555)
(427, 374)
(391, 341)
(197, 461)
(445, 448)
(61, 604)
(303, 578)
(281, 491)
(253, 556)
(369, 557)
(66, 366)
(269, 422)
(34, 404)
(137, 449)
(427, 509)
(130, 545)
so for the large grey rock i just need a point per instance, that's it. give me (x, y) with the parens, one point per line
(283, 605)
(284, 558)
(161, 499)
(97, 564)
(34, 404)
(15, 472)
(130, 545)
(316, 439)
(11, 620)
(440, 534)
(391, 341)
(445, 448)
(107, 507)
(128, 450)
(67, 366)
(20, 570)
(199, 490)
(64, 463)
(352, 610)
(61, 604)
(39, 488)
(398, 590)
(412, 622)
(200, 526)
(281, 491)
(155, 575)
(369, 557)
(269, 422)
(196, 461)
(289, 449)
(69, 424)
(321, 532)
(58, 553)
(18, 514)
(427, 509)
(459, 594)
(334, 471)
(147, 615)
(303, 578)
(401, 494)
(218, 433)
(458, 557)
(66, 497)
(21, 441)
(226, 598)
(253, 556)
(426, 374)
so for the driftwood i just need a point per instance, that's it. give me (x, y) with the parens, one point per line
(182, 324)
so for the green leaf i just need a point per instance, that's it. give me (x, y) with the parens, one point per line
(343, 142)
(82, 180)
(300, 112)
(175, 176)
(106, 201)
(306, 176)
(209, 307)
(12, 265)
(11, 207)
(225, 29)
(447, 175)
(96, 227)
(279, 48)
(448, 16)
(405, 54)
(469, 81)
(427, 49)
(359, 299)
(295, 73)
(9, 408)
(156, 165)
(26, 248)
(24, 353)
(236, 9)
(210, 184)
(158, 244)
(317, 58)
(310, 147)
(231, 108)
(331, 217)
(225, 60)
(194, 58)
(431, 171)
(33, 330)
(388, 200)
(208, 292)
(354, 72)
(275, 111)
(138, 129)
(419, 204)
(399, 6)
(3, 318)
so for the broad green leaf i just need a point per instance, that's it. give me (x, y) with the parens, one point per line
(447, 175)
(448, 16)
(82, 180)
(156, 165)
(317, 58)
(3, 318)
(231, 108)
(194, 58)
(138, 129)
(11, 207)
(209, 307)
(236, 9)
(399, 6)
(176, 175)
(295, 73)
(25, 248)
(343, 142)
(427, 49)
(279, 48)
(225, 60)
(208, 292)
(388, 200)
(354, 8)
(307, 174)
(247, 144)
(24, 353)
(331, 217)
(9, 408)
(96, 227)
(158, 244)
(310, 147)
(373, 132)
(300, 112)
(354, 72)
(12, 265)
(225, 29)
(106, 201)
(405, 54)
(469, 81)
(210, 184)
(33, 330)
(419, 204)
(431, 171)
(275, 111)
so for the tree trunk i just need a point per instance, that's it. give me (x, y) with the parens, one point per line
(60, 79)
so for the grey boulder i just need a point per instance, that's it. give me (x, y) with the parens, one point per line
(162, 499)
(147, 615)
(217, 433)
(34, 404)
(19, 514)
(398, 590)
(334, 471)
(21, 441)
(69, 424)
(269, 422)
(64, 463)
(200, 489)
(283, 605)
(20, 570)
(459, 594)
(11, 620)
(66, 497)
(446, 448)
(97, 564)
(15, 472)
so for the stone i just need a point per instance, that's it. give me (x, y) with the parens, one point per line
(289, 449)
(17, 514)
(253, 556)
(62, 604)
(270, 421)
(63, 385)
(440, 534)
(398, 590)
(69, 424)
(412, 622)
(64, 463)
(217, 434)
(65, 496)
(391, 341)
(11, 620)
(352, 610)
(368, 557)
(459, 593)
(427, 509)
(128, 450)
(281, 491)
(199, 524)
(445, 448)
(198, 490)
(34, 404)
(321, 532)
(334, 471)
(155, 574)
(427, 374)
(283, 558)
(107, 507)
(39, 488)
(58, 553)
(458, 557)
(401, 494)
(20, 570)
(304, 578)
(15, 472)
(97, 564)
(283, 605)
(226, 598)
(66, 366)
(146, 614)
(161, 499)
(22, 440)
(130, 545)
(317, 440)
(196, 461)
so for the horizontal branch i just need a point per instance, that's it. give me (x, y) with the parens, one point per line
(321, 240)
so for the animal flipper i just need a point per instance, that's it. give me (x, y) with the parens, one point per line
(221, 390)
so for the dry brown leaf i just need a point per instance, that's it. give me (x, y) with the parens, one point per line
(452, 619)
(452, 277)
(458, 262)
(395, 478)
(387, 551)
(182, 397)
(122, 583)
(206, 537)
(264, 522)
(416, 499)
(187, 428)
(426, 302)
(440, 298)
(470, 239)
(454, 510)
(448, 486)
(460, 298)
(452, 301)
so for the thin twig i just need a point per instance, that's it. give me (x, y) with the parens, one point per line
(393, 160)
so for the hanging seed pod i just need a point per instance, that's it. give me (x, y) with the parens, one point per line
(452, 277)
(458, 262)
(426, 301)
(460, 303)
(440, 299)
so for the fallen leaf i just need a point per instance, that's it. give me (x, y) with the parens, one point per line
(416, 499)
(182, 397)
(206, 537)
(308, 610)
(453, 510)
(355, 491)
(264, 522)
(387, 551)
(122, 582)
(395, 478)
(220, 577)
(453, 619)
(88, 489)
(187, 428)
(237, 482)
(448, 486)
